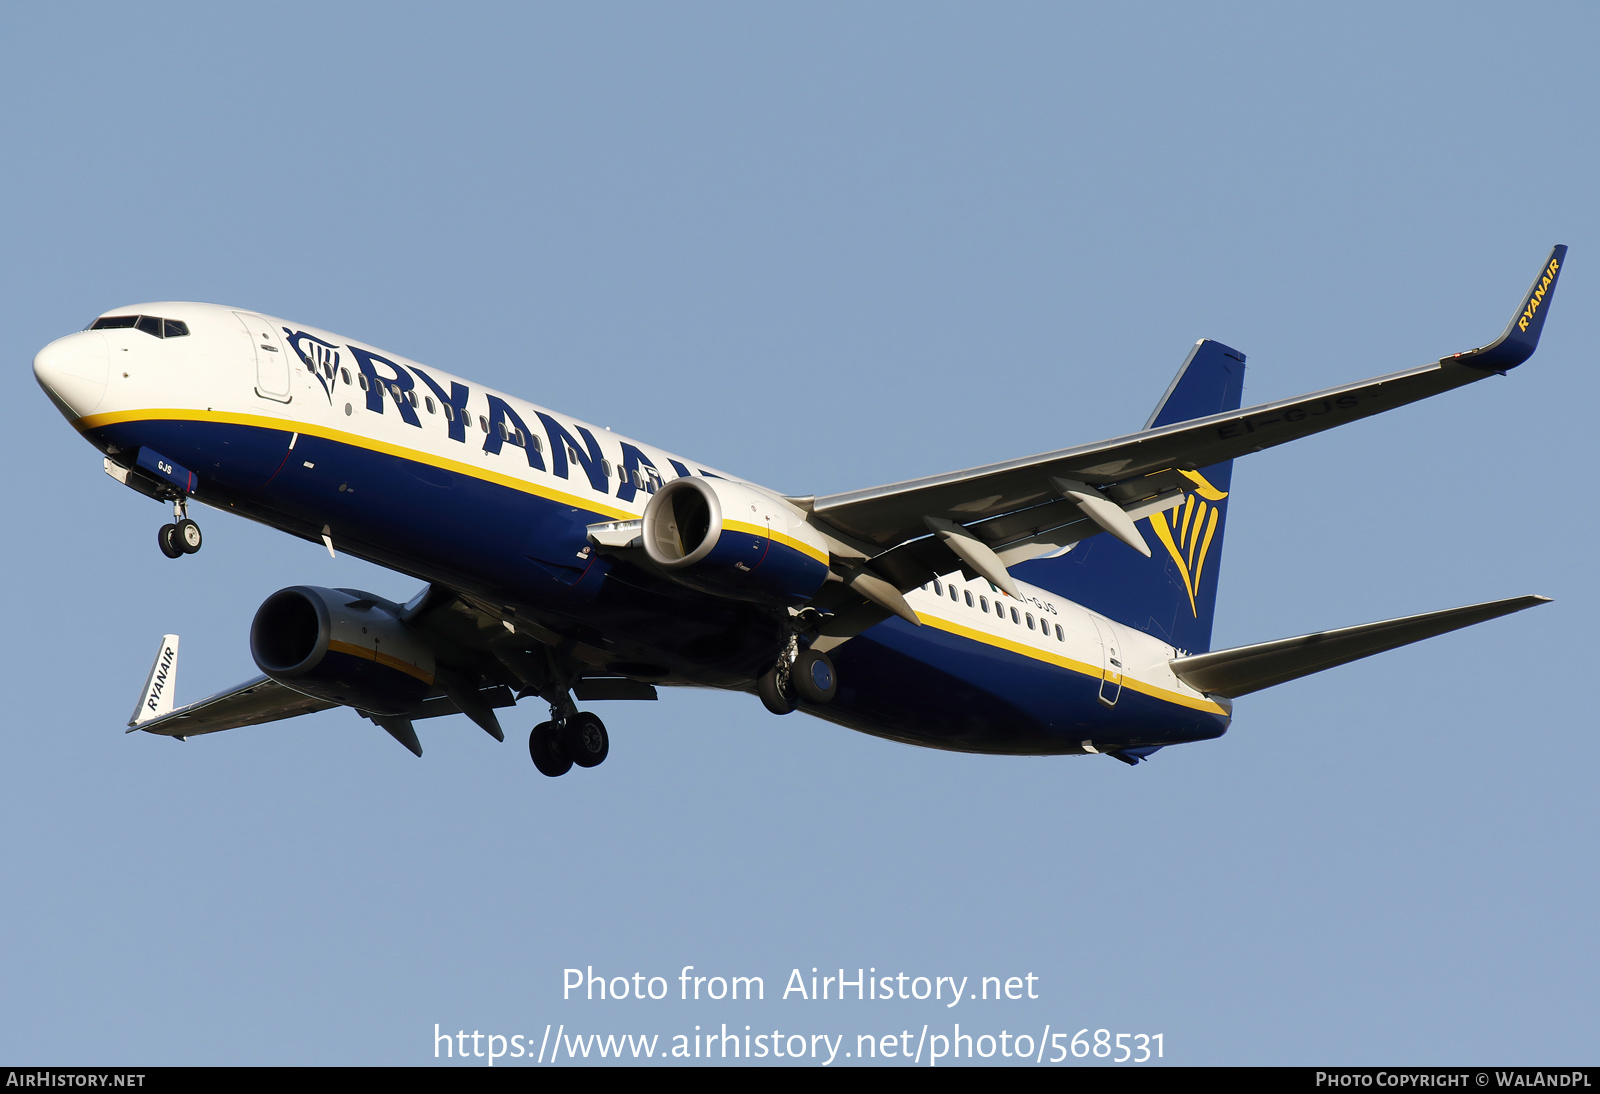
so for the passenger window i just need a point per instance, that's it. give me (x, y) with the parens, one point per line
(605, 467)
(411, 397)
(504, 436)
(1059, 636)
(983, 604)
(361, 381)
(968, 596)
(954, 594)
(538, 445)
(1014, 617)
(483, 423)
(428, 402)
(449, 412)
(572, 454)
(150, 325)
(345, 373)
(938, 589)
(174, 328)
(1030, 621)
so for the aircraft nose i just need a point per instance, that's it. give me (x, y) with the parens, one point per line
(73, 371)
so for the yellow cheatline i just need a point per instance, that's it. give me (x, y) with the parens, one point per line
(1092, 671)
(356, 440)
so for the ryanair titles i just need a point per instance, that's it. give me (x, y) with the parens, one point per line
(1536, 297)
(387, 385)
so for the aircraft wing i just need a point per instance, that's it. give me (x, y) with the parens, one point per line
(253, 702)
(483, 659)
(1007, 503)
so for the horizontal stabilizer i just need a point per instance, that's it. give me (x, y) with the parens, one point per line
(1244, 669)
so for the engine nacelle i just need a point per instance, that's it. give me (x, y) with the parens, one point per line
(344, 646)
(723, 538)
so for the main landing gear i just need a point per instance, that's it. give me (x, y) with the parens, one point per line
(579, 738)
(798, 674)
(182, 537)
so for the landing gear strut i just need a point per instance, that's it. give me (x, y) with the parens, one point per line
(798, 674)
(776, 685)
(182, 537)
(579, 738)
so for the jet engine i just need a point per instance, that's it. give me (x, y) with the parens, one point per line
(723, 538)
(344, 646)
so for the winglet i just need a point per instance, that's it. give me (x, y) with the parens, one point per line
(156, 698)
(1521, 336)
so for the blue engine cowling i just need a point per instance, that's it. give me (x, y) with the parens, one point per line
(724, 538)
(344, 646)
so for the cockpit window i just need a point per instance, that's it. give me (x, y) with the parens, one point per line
(150, 324)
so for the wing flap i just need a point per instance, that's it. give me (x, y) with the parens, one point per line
(1244, 669)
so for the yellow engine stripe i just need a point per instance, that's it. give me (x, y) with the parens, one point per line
(763, 531)
(381, 658)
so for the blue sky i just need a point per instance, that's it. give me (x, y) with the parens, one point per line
(825, 246)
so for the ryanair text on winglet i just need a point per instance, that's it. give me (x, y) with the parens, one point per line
(1536, 297)
(158, 679)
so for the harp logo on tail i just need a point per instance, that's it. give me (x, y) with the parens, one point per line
(1186, 531)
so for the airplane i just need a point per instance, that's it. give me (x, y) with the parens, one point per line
(1054, 604)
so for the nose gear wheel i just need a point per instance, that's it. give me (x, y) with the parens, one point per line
(182, 536)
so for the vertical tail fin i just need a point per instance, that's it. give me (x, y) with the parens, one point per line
(1173, 594)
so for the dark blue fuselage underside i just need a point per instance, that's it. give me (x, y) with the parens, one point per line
(527, 553)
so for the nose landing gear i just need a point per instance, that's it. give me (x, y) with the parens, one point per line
(181, 537)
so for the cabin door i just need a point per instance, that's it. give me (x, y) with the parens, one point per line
(1110, 661)
(272, 362)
